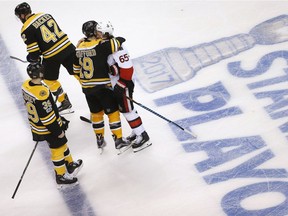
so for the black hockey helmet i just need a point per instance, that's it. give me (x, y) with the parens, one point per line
(23, 8)
(35, 70)
(89, 28)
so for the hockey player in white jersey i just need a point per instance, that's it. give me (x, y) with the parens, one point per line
(122, 70)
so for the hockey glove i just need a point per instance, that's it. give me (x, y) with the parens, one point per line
(114, 69)
(122, 85)
(33, 59)
(119, 88)
(65, 123)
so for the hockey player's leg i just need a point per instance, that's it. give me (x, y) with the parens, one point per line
(116, 129)
(139, 137)
(98, 127)
(72, 167)
(58, 159)
(56, 89)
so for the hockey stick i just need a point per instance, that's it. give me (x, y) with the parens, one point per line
(24, 170)
(18, 59)
(139, 104)
(157, 114)
(85, 119)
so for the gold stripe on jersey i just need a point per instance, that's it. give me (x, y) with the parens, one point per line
(59, 121)
(49, 119)
(31, 20)
(94, 82)
(88, 44)
(58, 47)
(114, 45)
(41, 130)
(76, 69)
(33, 47)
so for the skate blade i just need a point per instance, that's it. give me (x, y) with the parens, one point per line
(101, 150)
(64, 186)
(124, 149)
(67, 111)
(146, 145)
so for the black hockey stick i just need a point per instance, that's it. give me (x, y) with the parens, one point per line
(18, 59)
(85, 119)
(157, 114)
(150, 110)
(24, 170)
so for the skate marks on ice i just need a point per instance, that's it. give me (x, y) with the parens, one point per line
(170, 66)
(74, 197)
(238, 160)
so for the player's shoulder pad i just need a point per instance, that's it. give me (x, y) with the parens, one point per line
(121, 39)
(30, 21)
(41, 92)
(88, 44)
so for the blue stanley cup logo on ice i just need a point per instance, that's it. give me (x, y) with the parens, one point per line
(170, 66)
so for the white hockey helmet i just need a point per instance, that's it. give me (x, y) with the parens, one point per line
(105, 27)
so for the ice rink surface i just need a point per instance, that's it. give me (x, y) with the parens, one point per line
(218, 68)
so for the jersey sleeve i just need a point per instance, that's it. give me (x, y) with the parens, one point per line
(46, 112)
(29, 37)
(124, 64)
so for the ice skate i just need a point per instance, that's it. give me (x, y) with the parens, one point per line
(74, 167)
(141, 142)
(100, 142)
(65, 180)
(65, 106)
(122, 145)
(131, 137)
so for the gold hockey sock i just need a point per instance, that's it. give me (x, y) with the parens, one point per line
(67, 155)
(98, 122)
(58, 159)
(115, 124)
(56, 89)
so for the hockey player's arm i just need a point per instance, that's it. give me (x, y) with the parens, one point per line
(33, 50)
(76, 68)
(110, 46)
(48, 117)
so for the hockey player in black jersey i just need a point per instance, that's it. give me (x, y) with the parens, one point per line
(91, 66)
(47, 124)
(44, 38)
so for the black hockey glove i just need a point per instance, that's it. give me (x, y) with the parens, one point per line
(33, 59)
(65, 123)
(114, 69)
(37, 137)
(122, 85)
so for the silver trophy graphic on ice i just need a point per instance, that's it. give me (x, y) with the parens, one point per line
(171, 66)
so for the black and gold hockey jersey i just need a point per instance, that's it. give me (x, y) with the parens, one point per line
(43, 114)
(43, 36)
(91, 62)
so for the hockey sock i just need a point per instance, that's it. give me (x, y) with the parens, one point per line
(56, 89)
(67, 155)
(135, 122)
(115, 124)
(98, 122)
(58, 159)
